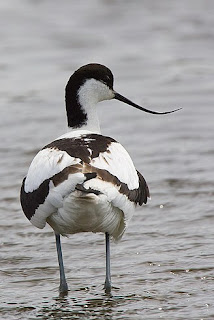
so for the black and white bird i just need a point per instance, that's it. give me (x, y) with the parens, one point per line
(84, 181)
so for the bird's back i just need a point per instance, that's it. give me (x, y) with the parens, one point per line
(83, 182)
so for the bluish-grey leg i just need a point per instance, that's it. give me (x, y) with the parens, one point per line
(63, 288)
(107, 285)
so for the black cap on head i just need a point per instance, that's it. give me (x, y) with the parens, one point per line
(92, 71)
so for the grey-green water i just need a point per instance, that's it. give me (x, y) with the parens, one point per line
(161, 53)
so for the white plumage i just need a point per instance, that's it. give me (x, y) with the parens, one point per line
(69, 210)
(84, 181)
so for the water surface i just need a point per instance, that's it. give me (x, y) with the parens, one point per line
(161, 54)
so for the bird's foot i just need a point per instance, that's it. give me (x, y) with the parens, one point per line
(63, 289)
(107, 287)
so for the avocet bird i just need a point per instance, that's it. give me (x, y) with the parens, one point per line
(84, 181)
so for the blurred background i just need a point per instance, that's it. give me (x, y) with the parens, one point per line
(162, 56)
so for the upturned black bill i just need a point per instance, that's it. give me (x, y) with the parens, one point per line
(125, 100)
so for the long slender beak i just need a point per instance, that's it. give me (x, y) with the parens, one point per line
(125, 100)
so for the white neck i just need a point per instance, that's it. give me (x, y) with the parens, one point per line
(88, 95)
(92, 123)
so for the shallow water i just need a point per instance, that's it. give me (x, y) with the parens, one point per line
(161, 54)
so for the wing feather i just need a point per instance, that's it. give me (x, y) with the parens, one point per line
(56, 171)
